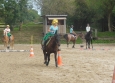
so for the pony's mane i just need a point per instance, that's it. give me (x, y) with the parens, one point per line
(53, 41)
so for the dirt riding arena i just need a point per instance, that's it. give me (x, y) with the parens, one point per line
(80, 65)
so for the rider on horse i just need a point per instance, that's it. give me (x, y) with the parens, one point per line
(52, 30)
(71, 31)
(88, 29)
(7, 31)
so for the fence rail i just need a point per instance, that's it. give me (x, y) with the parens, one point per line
(2, 26)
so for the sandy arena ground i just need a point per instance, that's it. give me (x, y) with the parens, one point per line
(80, 66)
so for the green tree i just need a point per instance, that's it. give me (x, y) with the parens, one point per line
(33, 16)
(108, 6)
(10, 12)
(1, 10)
(56, 6)
(23, 12)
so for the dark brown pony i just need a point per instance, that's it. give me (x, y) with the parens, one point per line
(52, 46)
(8, 42)
(70, 37)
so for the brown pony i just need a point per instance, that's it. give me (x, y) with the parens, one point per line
(70, 37)
(52, 46)
(8, 42)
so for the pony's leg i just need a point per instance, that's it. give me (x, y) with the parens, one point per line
(55, 59)
(73, 44)
(89, 44)
(12, 44)
(5, 46)
(86, 44)
(45, 58)
(67, 43)
(48, 57)
(8, 44)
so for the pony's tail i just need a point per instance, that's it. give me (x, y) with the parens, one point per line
(92, 43)
(65, 36)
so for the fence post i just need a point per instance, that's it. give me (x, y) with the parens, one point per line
(95, 32)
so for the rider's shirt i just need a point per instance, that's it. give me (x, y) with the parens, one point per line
(7, 30)
(87, 29)
(71, 30)
(53, 29)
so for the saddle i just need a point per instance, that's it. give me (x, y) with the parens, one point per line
(9, 34)
(73, 36)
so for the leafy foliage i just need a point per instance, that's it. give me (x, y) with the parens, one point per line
(16, 12)
(56, 6)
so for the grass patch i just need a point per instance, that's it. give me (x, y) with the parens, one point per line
(104, 41)
(106, 34)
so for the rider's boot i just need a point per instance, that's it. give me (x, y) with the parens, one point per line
(43, 46)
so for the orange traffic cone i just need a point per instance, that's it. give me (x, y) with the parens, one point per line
(59, 59)
(31, 52)
(113, 80)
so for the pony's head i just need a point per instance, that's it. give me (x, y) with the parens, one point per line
(81, 35)
(57, 39)
(89, 33)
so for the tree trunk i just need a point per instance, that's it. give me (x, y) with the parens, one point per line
(109, 22)
(20, 28)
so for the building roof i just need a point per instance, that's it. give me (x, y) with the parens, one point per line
(54, 16)
(59, 18)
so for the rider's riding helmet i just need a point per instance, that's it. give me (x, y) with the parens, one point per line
(7, 26)
(55, 21)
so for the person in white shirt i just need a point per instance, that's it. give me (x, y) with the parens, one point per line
(88, 28)
(7, 31)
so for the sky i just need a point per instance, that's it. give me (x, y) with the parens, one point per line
(35, 7)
